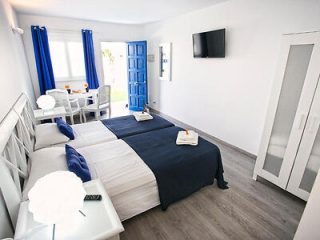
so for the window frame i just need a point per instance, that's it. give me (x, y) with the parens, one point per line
(65, 38)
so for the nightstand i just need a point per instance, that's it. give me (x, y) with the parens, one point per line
(56, 112)
(101, 220)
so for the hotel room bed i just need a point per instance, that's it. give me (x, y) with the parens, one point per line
(126, 126)
(90, 133)
(129, 182)
(180, 170)
(95, 132)
(140, 176)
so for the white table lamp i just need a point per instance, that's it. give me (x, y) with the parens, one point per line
(55, 197)
(46, 102)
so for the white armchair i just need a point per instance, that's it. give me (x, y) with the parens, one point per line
(102, 104)
(62, 99)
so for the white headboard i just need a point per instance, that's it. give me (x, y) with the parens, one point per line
(16, 143)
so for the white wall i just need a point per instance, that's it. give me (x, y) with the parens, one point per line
(101, 32)
(14, 80)
(228, 97)
(15, 77)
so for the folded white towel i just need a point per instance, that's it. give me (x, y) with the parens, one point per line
(142, 116)
(184, 139)
(187, 135)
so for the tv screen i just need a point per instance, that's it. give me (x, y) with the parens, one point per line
(209, 44)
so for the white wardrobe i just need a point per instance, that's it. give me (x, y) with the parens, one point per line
(289, 154)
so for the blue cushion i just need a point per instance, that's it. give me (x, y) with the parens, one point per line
(77, 164)
(65, 128)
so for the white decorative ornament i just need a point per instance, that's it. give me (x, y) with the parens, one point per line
(55, 197)
(46, 102)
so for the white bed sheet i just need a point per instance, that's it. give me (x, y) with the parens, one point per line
(90, 133)
(128, 181)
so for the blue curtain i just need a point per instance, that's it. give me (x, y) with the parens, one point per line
(91, 72)
(43, 59)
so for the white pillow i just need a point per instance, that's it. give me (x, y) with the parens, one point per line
(43, 162)
(47, 135)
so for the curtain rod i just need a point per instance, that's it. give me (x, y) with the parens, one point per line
(68, 31)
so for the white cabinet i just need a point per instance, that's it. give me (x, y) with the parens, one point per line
(307, 161)
(289, 154)
(308, 228)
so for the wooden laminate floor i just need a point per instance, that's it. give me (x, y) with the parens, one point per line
(247, 210)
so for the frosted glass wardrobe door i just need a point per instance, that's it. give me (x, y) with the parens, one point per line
(292, 95)
(307, 162)
(292, 85)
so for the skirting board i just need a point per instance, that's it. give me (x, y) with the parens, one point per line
(203, 134)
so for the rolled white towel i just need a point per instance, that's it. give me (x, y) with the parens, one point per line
(184, 139)
(139, 116)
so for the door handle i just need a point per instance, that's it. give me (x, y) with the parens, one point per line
(302, 121)
(314, 124)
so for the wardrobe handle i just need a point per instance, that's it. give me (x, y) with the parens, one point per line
(302, 121)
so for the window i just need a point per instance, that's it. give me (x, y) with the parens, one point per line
(67, 58)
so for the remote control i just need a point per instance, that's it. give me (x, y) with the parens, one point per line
(93, 197)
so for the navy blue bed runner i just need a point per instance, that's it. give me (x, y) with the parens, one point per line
(179, 170)
(127, 125)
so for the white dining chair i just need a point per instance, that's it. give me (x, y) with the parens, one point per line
(102, 103)
(62, 100)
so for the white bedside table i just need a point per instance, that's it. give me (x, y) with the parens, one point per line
(40, 114)
(101, 220)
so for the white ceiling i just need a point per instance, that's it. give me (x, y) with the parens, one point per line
(120, 11)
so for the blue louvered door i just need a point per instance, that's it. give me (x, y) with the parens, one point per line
(137, 75)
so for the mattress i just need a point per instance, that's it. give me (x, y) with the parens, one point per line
(126, 126)
(129, 182)
(180, 170)
(95, 132)
(90, 133)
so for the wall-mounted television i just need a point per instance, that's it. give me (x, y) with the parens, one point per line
(209, 44)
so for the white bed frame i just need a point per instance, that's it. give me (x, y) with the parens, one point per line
(16, 143)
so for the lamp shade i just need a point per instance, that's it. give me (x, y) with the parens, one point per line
(46, 102)
(55, 197)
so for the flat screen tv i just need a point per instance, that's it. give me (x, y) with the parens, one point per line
(209, 44)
